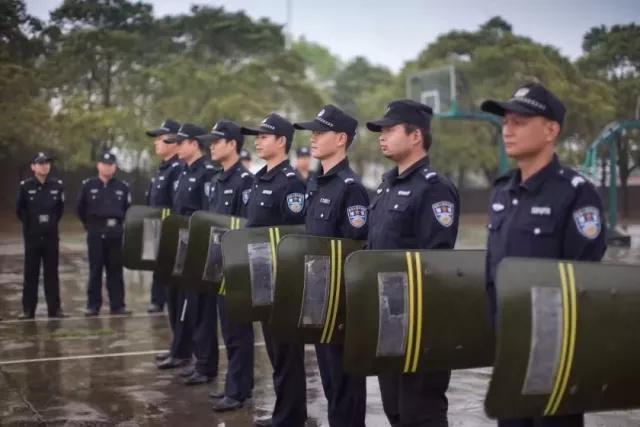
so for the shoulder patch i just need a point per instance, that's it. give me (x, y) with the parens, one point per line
(290, 174)
(125, 182)
(443, 211)
(60, 181)
(357, 215)
(209, 167)
(174, 164)
(245, 196)
(588, 221)
(84, 181)
(295, 202)
(244, 174)
(22, 182)
(349, 181)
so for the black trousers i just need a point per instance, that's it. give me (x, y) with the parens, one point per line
(158, 292)
(105, 253)
(182, 342)
(346, 394)
(559, 421)
(41, 250)
(239, 342)
(415, 400)
(203, 313)
(289, 381)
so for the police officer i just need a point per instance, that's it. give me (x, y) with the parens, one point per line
(278, 198)
(190, 196)
(541, 209)
(245, 158)
(39, 207)
(414, 208)
(337, 204)
(102, 205)
(228, 195)
(160, 194)
(303, 163)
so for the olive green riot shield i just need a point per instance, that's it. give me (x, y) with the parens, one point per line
(172, 253)
(567, 340)
(308, 302)
(249, 265)
(142, 227)
(203, 261)
(415, 311)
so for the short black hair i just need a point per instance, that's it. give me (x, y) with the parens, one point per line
(425, 132)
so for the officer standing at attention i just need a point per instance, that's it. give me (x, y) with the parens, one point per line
(190, 196)
(102, 205)
(245, 158)
(160, 194)
(228, 195)
(39, 207)
(542, 209)
(278, 198)
(303, 163)
(414, 208)
(337, 204)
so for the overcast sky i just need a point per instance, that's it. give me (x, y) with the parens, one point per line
(389, 32)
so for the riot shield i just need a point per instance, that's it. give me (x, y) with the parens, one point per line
(416, 311)
(567, 338)
(203, 261)
(309, 295)
(142, 229)
(249, 266)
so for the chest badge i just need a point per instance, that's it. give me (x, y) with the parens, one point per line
(588, 222)
(357, 215)
(443, 211)
(295, 202)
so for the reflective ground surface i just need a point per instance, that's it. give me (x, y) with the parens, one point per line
(100, 371)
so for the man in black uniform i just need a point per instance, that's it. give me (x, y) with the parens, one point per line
(189, 196)
(337, 204)
(228, 195)
(414, 208)
(39, 207)
(160, 194)
(542, 209)
(303, 163)
(278, 198)
(102, 205)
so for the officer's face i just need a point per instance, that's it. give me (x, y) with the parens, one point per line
(395, 144)
(164, 145)
(107, 169)
(325, 144)
(527, 136)
(221, 149)
(187, 149)
(41, 168)
(269, 146)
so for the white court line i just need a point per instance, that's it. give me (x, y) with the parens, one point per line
(94, 356)
(106, 316)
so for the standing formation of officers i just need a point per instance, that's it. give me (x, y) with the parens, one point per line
(540, 209)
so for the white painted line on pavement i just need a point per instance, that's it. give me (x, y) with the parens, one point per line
(93, 356)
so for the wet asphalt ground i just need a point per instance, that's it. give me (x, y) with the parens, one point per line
(101, 371)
